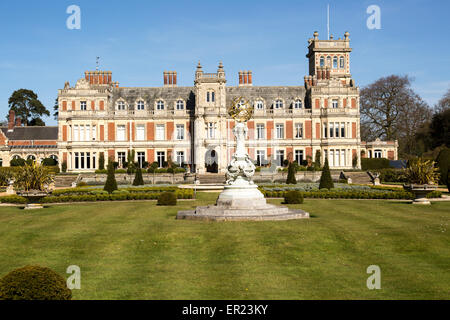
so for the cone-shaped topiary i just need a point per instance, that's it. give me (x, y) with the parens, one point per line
(138, 180)
(101, 161)
(325, 179)
(34, 283)
(111, 183)
(291, 174)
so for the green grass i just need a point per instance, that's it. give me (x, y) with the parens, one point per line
(137, 250)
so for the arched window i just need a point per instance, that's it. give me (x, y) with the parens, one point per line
(160, 105)
(329, 61)
(341, 62)
(278, 104)
(259, 105)
(120, 105)
(180, 104)
(140, 105)
(335, 63)
(298, 104)
(31, 157)
(322, 61)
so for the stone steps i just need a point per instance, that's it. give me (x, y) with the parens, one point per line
(64, 181)
(358, 177)
(212, 178)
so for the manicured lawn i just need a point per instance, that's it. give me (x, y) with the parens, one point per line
(136, 250)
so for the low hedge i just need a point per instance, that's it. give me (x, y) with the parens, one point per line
(392, 175)
(91, 191)
(325, 194)
(116, 196)
(13, 199)
(167, 199)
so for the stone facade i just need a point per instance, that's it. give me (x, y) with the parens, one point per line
(191, 124)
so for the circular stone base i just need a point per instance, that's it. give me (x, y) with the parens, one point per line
(216, 213)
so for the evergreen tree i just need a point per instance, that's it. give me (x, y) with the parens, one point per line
(325, 179)
(138, 180)
(317, 161)
(443, 162)
(101, 161)
(111, 183)
(291, 174)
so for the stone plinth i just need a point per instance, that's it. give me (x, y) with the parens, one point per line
(241, 204)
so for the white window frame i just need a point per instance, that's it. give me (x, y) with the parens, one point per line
(260, 131)
(279, 130)
(120, 106)
(298, 126)
(278, 104)
(180, 131)
(180, 104)
(83, 105)
(160, 132)
(140, 132)
(121, 132)
(298, 104)
(140, 105)
(160, 105)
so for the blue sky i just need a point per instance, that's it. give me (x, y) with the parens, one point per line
(137, 40)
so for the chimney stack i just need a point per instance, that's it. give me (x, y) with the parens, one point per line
(245, 78)
(18, 122)
(170, 78)
(12, 116)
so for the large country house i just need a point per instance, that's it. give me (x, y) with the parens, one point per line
(190, 125)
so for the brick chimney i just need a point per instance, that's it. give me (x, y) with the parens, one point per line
(98, 77)
(18, 122)
(245, 78)
(170, 78)
(12, 116)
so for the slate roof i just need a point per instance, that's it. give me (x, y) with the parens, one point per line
(31, 133)
(170, 94)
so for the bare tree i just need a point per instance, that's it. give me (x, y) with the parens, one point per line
(391, 110)
(444, 103)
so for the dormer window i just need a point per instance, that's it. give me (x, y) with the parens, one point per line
(180, 104)
(298, 104)
(140, 105)
(120, 105)
(83, 105)
(259, 105)
(278, 104)
(160, 105)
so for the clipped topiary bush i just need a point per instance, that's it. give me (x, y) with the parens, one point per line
(325, 179)
(167, 199)
(291, 174)
(111, 183)
(293, 197)
(34, 283)
(138, 180)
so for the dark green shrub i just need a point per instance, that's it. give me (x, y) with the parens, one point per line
(13, 199)
(81, 184)
(392, 175)
(293, 197)
(138, 180)
(111, 183)
(18, 162)
(291, 174)
(101, 161)
(49, 162)
(443, 163)
(34, 283)
(374, 163)
(167, 199)
(325, 178)
(64, 166)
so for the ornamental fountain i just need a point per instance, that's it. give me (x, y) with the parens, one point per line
(241, 199)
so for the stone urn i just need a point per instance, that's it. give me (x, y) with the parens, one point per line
(420, 192)
(33, 197)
